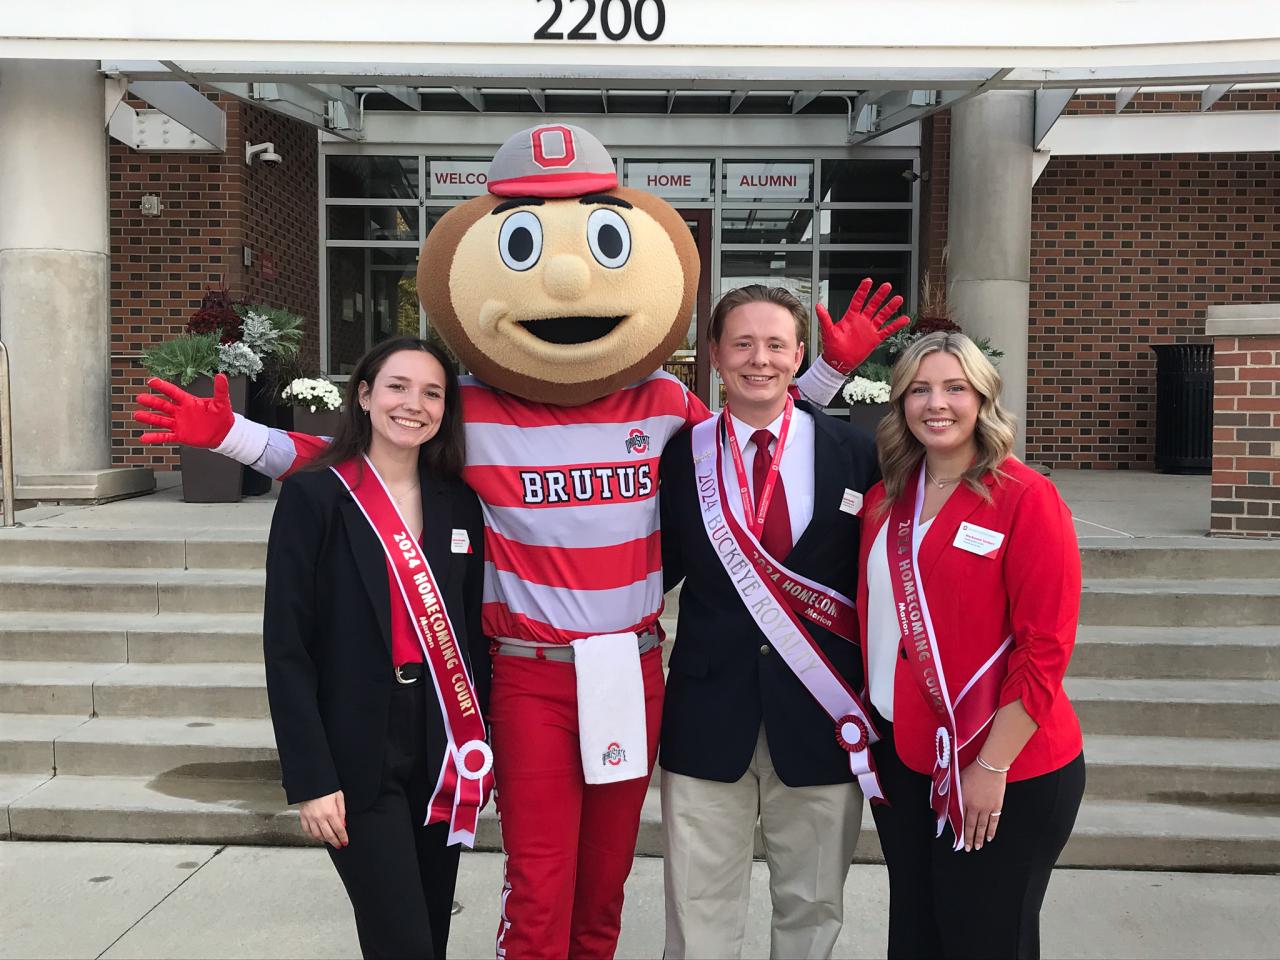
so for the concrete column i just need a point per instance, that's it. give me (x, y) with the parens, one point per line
(989, 231)
(54, 279)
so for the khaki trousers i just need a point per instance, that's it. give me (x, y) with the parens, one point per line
(709, 830)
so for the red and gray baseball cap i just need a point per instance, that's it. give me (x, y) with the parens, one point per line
(552, 160)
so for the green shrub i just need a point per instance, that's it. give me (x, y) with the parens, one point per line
(184, 358)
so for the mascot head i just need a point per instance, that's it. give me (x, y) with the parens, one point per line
(559, 286)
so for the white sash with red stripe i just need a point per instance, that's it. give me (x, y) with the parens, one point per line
(772, 596)
(961, 719)
(466, 776)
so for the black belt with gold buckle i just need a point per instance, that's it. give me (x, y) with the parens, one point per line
(408, 673)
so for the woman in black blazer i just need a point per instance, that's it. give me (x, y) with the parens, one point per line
(364, 704)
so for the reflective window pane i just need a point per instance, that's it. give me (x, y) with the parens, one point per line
(840, 272)
(372, 177)
(759, 180)
(865, 226)
(790, 269)
(372, 296)
(866, 181)
(346, 309)
(770, 226)
(373, 223)
(674, 180)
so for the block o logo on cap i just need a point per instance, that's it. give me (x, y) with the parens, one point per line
(552, 160)
(552, 146)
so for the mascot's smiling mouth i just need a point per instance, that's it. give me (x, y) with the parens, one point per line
(571, 329)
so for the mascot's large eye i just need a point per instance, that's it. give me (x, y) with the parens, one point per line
(609, 238)
(520, 240)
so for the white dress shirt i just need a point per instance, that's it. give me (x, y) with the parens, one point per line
(796, 468)
(884, 635)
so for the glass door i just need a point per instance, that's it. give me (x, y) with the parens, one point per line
(690, 362)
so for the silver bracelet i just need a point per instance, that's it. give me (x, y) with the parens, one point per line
(986, 766)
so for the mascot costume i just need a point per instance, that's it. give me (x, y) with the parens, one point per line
(562, 293)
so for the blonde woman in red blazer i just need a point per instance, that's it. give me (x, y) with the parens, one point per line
(968, 593)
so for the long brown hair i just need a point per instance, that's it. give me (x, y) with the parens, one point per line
(900, 452)
(441, 456)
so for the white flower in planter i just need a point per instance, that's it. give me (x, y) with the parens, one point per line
(316, 395)
(862, 390)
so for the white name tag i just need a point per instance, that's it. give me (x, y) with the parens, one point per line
(461, 542)
(851, 502)
(977, 539)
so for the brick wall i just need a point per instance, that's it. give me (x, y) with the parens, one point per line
(935, 149)
(214, 205)
(1126, 252)
(1246, 436)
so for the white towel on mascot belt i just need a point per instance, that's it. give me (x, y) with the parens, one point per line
(611, 722)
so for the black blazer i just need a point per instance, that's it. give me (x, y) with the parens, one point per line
(327, 630)
(721, 682)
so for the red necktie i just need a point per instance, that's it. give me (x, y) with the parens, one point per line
(776, 538)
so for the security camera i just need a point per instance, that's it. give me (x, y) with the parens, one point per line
(266, 152)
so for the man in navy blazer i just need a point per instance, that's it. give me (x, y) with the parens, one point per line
(742, 738)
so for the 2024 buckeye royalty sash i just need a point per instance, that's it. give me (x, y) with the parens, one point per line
(466, 776)
(961, 719)
(779, 600)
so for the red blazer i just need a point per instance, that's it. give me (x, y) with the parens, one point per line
(1029, 587)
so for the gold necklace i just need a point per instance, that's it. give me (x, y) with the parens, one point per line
(940, 484)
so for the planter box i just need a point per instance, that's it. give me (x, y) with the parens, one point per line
(322, 423)
(208, 477)
(867, 415)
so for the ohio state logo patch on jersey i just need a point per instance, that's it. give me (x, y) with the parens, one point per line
(637, 441)
(613, 756)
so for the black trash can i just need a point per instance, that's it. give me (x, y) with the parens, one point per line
(1184, 407)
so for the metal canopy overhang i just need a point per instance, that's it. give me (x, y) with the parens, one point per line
(304, 57)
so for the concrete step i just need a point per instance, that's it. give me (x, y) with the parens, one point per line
(1182, 769)
(209, 690)
(1156, 836)
(184, 809)
(116, 549)
(202, 747)
(50, 688)
(1181, 603)
(1219, 653)
(137, 637)
(12, 788)
(134, 689)
(131, 591)
(1183, 558)
(1226, 709)
(26, 741)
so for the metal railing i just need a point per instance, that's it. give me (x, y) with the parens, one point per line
(6, 439)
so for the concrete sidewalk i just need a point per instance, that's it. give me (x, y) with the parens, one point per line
(152, 900)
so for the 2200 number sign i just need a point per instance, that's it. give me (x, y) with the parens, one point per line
(617, 18)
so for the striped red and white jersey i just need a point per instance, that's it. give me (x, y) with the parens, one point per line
(570, 500)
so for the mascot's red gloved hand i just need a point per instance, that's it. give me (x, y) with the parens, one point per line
(194, 421)
(864, 327)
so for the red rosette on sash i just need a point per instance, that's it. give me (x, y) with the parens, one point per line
(852, 733)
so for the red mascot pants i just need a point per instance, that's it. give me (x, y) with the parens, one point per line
(569, 845)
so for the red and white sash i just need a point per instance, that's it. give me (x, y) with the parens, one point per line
(466, 776)
(961, 719)
(779, 601)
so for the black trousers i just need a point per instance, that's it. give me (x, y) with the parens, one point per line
(985, 903)
(399, 874)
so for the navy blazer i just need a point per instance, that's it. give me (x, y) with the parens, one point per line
(326, 630)
(724, 678)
